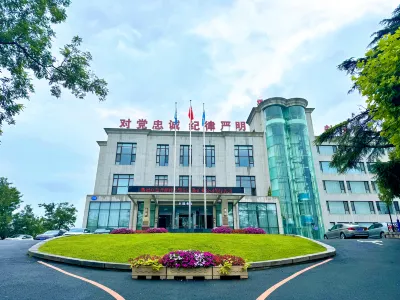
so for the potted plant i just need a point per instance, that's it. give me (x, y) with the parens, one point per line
(188, 263)
(230, 265)
(147, 265)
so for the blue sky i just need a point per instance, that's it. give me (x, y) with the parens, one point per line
(225, 53)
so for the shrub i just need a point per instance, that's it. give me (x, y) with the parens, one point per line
(156, 230)
(222, 229)
(240, 231)
(188, 259)
(122, 231)
(146, 260)
(254, 230)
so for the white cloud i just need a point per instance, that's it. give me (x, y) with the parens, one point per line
(255, 42)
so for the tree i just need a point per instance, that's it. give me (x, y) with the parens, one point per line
(373, 133)
(387, 197)
(269, 192)
(10, 199)
(26, 222)
(59, 216)
(25, 50)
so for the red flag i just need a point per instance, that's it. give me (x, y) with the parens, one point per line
(190, 114)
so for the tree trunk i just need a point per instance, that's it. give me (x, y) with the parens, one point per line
(390, 215)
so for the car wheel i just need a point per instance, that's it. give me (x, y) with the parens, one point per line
(325, 237)
(382, 235)
(342, 236)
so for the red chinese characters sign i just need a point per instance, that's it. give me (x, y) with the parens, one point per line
(180, 189)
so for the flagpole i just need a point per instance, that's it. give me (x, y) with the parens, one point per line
(204, 169)
(190, 166)
(173, 199)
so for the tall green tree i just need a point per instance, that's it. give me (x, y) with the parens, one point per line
(373, 133)
(10, 200)
(26, 36)
(26, 222)
(59, 216)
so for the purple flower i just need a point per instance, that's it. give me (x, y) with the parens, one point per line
(222, 229)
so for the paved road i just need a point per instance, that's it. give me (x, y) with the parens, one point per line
(359, 271)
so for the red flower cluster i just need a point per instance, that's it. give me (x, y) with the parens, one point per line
(234, 260)
(240, 231)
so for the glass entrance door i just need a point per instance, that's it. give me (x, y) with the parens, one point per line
(184, 221)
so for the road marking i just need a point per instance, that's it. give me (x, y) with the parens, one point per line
(100, 286)
(380, 243)
(279, 284)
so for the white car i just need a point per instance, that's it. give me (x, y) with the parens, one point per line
(77, 231)
(20, 237)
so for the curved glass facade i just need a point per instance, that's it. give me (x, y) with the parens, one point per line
(291, 170)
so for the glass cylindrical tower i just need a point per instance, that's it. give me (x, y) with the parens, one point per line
(292, 171)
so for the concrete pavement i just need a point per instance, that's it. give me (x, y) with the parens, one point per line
(359, 271)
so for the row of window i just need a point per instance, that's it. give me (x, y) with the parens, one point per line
(126, 155)
(361, 207)
(353, 187)
(359, 169)
(121, 182)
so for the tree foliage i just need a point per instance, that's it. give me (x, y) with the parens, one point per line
(25, 51)
(25, 222)
(10, 199)
(59, 216)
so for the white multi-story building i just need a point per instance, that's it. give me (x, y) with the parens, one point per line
(271, 176)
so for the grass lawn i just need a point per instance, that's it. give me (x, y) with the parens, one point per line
(121, 247)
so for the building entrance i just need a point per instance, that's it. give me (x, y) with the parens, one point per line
(182, 216)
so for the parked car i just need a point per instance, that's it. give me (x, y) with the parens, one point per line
(20, 237)
(77, 231)
(346, 231)
(49, 234)
(378, 230)
(102, 231)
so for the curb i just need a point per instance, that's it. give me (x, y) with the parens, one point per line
(330, 252)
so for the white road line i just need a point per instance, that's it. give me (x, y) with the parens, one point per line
(380, 243)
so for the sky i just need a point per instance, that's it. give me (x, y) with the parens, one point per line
(225, 54)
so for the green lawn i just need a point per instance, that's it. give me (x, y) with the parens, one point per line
(120, 247)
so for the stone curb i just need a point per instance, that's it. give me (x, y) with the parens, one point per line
(34, 251)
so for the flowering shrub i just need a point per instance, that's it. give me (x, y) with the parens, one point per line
(122, 231)
(254, 230)
(226, 262)
(140, 231)
(156, 230)
(222, 229)
(188, 259)
(240, 231)
(146, 260)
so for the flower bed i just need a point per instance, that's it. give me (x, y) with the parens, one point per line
(189, 263)
(130, 231)
(248, 230)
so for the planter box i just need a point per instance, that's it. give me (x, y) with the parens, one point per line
(235, 271)
(148, 272)
(190, 273)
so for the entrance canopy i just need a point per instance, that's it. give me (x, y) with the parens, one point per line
(165, 194)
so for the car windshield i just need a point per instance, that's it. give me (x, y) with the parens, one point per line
(76, 230)
(51, 232)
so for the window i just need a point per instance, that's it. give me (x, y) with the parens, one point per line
(359, 169)
(184, 156)
(161, 180)
(248, 183)
(396, 206)
(358, 187)
(326, 150)
(332, 223)
(383, 208)
(370, 167)
(362, 207)
(244, 156)
(210, 181)
(262, 215)
(184, 180)
(334, 187)
(126, 154)
(121, 183)
(210, 156)
(162, 155)
(108, 215)
(338, 207)
(325, 168)
(375, 186)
